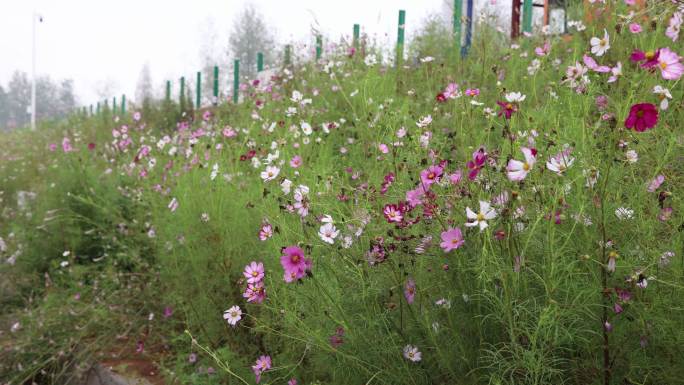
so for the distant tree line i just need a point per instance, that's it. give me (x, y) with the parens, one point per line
(54, 99)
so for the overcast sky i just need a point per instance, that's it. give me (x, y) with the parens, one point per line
(97, 41)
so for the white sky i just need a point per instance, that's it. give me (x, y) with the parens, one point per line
(97, 41)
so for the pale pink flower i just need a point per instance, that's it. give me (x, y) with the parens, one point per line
(518, 170)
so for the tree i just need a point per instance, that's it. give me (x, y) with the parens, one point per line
(18, 100)
(66, 99)
(211, 54)
(4, 109)
(250, 35)
(144, 89)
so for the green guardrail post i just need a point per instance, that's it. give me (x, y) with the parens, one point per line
(168, 90)
(458, 13)
(527, 16)
(400, 36)
(198, 97)
(357, 32)
(91, 110)
(319, 46)
(260, 61)
(181, 97)
(114, 105)
(236, 80)
(123, 104)
(216, 84)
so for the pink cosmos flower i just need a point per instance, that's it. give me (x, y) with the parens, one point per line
(294, 263)
(266, 231)
(254, 272)
(173, 205)
(452, 239)
(642, 116)
(518, 170)
(393, 213)
(411, 353)
(472, 92)
(451, 91)
(66, 145)
(455, 178)
(383, 148)
(263, 363)
(655, 183)
(410, 290)
(431, 175)
(670, 66)
(229, 132)
(543, 50)
(296, 161)
(414, 197)
(675, 25)
(592, 65)
(255, 292)
(635, 28)
(52, 147)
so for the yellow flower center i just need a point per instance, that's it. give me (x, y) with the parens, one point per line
(480, 217)
(650, 55)
(663, 65)
(526, 166)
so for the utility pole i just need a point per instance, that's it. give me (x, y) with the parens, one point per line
(33, 75)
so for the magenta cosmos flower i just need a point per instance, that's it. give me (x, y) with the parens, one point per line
(642, 117)
(507, 109)
(263, 363)
(431, 175)
(650, 58)
(452, 239)
(294, 263)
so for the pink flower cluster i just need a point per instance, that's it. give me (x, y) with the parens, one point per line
(255, 291)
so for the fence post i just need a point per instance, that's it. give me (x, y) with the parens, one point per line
(319, 46)
(123, 104)
(168, 90)
(198, 97)
(400, 36)
(260, 61)
(357, 32)
(236, 80)
(91, 110)
(458, 9)
(515, 19)
(287, 55)
(527, 16)
(98, 108)
(469, 29)
(216, 84)
(181, 99)
(114, 105)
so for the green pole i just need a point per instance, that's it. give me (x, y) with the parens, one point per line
(114, 105)
(236, 80)
(260, 61)
(181, 97)
(198, 97)
(400, 36)
(287, 55)
(168, 90)
(458, 9)
(123, 104)
(319, 46)
(216, 84)
(527, 16)
(98, 108)
(91, 110)
(357, 30)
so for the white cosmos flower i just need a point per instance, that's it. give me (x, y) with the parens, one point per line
(600, 46)
(328, 232)
(631, 156)
(664, 95)
(285, 186)
(518, 170)
(270, 173)
(560, 163)
(233, 315)
(306, 128)
(480, 219)
(515, 97)
(412, 353)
